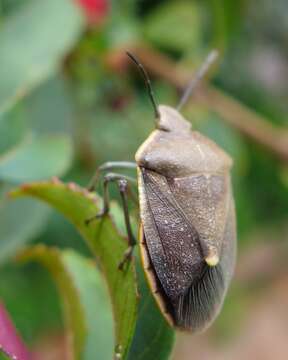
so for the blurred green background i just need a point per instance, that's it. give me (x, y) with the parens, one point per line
(69, 101)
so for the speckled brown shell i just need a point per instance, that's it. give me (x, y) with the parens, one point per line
(187, 213)
(152, 278)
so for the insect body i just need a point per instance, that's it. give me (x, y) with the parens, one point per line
(187, 227)
(187, 221)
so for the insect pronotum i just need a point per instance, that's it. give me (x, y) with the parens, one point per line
(187, 218)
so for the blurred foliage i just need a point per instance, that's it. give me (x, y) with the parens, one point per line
(82, 295)
(67, 104)
(4, 356)
(162, 26)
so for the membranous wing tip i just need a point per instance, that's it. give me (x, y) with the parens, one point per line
(200, 303)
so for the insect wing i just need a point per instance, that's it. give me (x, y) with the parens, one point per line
(192, 288)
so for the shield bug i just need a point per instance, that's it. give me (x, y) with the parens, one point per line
(187, 218)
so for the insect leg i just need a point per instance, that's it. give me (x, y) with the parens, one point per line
(122, 182)
(109, 166)
(123, 187)
(108, 178)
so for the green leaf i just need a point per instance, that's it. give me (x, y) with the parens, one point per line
(4, 356)
(32, 286)
(33, 42)
(36, 114)
(152, 336)
(175, 26)
(85, 300)
(13, 130)
(47, 119)
(106, 244)
(20, 221)
(38, 159)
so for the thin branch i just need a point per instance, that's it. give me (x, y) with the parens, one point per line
(247, 121)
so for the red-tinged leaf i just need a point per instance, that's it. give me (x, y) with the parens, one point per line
(10, 342)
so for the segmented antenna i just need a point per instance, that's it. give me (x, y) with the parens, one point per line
(147, 82)
(212, 56)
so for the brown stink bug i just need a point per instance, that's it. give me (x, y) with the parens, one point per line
(187, 217)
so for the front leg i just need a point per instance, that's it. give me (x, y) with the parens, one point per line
(123, 186)
(108, 178)
(110, 165)
(122, 182)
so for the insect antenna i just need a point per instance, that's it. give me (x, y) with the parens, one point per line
(147, 82)
(212, 56)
